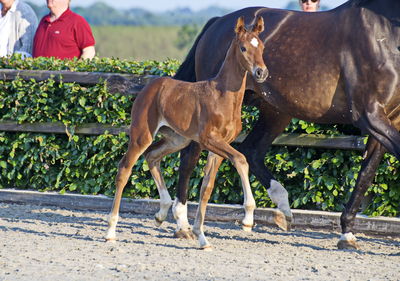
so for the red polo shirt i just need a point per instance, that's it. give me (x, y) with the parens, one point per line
(63, 38)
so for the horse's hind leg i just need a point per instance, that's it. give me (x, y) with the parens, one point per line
(372, 158)
(210, 172)
(135, 148)
(171, 143)
(374, 121)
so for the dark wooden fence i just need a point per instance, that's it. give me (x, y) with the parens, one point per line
(131, 85)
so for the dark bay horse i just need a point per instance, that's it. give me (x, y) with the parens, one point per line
(338, 66)
(208, 112)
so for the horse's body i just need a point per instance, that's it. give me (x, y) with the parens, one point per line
(208, 112)
(339, 66)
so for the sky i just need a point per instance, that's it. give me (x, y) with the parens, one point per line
(164, 5)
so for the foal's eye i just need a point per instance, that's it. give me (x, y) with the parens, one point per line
(243, 49)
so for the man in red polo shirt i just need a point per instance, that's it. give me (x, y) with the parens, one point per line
(63, 34)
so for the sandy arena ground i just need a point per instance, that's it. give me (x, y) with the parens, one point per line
(45, 243)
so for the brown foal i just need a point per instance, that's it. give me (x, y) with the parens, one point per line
(208, 112)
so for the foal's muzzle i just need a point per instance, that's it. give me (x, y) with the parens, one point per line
(260, 74)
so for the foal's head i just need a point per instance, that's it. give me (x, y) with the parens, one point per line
(251, 48)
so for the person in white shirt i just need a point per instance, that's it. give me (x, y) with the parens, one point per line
(18, 23)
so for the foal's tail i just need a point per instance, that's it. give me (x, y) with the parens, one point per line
(187, 71)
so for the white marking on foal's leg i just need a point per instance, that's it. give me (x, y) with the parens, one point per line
(248, 220)
(249, 203)
(203, 242)
(279, 196)
(165, 204)
(112, 224)
(198, 230)
(180, 214)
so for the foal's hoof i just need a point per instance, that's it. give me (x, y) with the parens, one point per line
(282, 221)
(185, 234)
(111, 240)
(247, 227)
(348, 245)
(206, 248)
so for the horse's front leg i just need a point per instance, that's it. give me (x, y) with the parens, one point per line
(210, 172)
(189, 158)
(372, 157)
(269, 125)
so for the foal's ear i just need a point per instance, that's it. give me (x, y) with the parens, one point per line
(259, 25)
(239, 28)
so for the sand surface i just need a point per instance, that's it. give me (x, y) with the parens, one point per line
(45, 243)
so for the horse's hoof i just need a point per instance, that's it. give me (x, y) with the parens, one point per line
(247, 228)
(348, 245)
(185, 234)
(348, 241)
(157, 222)
(282, 221)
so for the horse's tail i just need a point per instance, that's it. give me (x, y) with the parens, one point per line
(186, 70)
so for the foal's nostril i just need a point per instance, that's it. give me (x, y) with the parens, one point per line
(259, 73)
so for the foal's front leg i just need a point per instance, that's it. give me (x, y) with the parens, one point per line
(210, 172)
(270, 124)
(225, 150)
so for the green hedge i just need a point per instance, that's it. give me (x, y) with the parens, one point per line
(315, 178)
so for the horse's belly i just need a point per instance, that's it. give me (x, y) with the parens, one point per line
(321, 114)
(329, 115)
(325, 106)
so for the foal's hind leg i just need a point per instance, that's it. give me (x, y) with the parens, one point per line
(136, 147)
(171, 143)
(372, 157)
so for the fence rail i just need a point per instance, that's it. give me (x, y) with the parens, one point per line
(304, 140)
(131, 85)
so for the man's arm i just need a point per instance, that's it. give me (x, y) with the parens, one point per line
(27, 23)
(88, 52)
